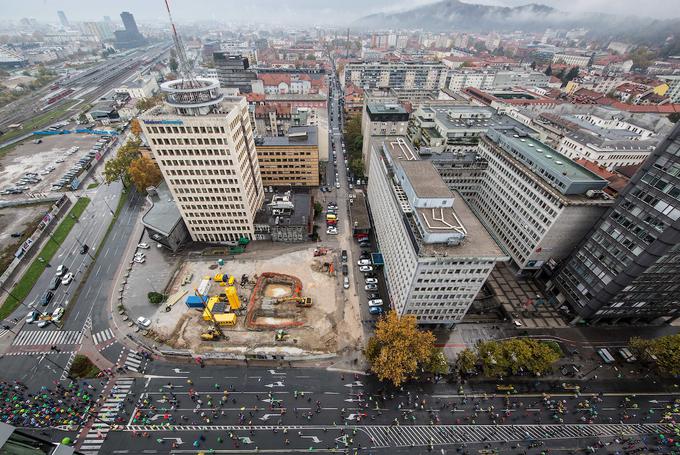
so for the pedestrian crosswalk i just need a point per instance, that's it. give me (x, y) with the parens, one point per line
(47, 337)
(421, 435)
(133, 362)
(95, 436)
(3, 332)
(102, 336)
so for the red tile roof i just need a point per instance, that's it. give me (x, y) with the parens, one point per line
(617, 181)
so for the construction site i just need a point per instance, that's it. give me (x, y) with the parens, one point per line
(285, 305)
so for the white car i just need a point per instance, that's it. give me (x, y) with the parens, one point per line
(364, 262)
(139, 260)
(32, 316)
(67, 279)
(61, 269)
(57, 314)
(143, 322)
(376, 302)
(43, 323)
(332, 231)
(371, 287)
(365, 268)
(337, 185)
(139, 254)
(144, 246)
(345, 283)
(371, 281)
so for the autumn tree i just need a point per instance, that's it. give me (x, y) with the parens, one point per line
(135, 128)
(144, 172)
(663, 352)
(466, 362)
(398, 350)
(117, 168)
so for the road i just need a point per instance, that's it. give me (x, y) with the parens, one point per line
(265, 407)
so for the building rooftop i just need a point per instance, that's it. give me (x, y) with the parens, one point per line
(285, 215)
(163, 215)
(297, 136)
(359, 212)
(425, 180)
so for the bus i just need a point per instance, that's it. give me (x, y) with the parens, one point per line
(606, 355)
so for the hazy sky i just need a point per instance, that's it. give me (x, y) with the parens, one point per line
(321, 12)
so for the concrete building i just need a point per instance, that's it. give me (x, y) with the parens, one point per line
(289, 217)
(396, 75)
(437, 255)
(204, 145)
(291, 160)
(142, 87)
(495, 80)
(673, 87)
(233, 71)
(381, 118)
(62, 19)
(163, 220)
(129, 37)
(627, 267)
(572, 59)
(535, 202)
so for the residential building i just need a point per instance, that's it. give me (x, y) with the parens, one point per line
(436, 254)
(291, 160)
(381, 118)
(203, 143)
(572, 59)
(396, 75)
(673, 92)
(503, 100)
(627, 267)
(536, 203)
(495, 80)
(233, 71)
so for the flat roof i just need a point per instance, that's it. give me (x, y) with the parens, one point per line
(376, 107)
(425, 180)
(477, 242)
(163, 215)
(297, 136)
(488, 117)
(358, 212)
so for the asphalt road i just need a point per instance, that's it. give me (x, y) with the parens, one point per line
(334, 410)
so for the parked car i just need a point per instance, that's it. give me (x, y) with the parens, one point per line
(17, 234)
(67, 279)
(345, 282)
(373, 296)
(375, 310)
(365, 268)
(370, 281)
(345, 270)
(343, 256)
(376, 302)
(364, 262)
(46, 298)
(144, 246)
(143, 322)
(371, 287)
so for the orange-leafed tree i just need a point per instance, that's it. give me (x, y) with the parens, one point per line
(135, 128)
(144, 172)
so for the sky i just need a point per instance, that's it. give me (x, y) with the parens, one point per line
(308, 12)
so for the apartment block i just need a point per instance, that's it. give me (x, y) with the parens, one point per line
(494, 80)
(291, 160)
(437, 255)
(572, 59)
(396, 75)
(203, 143)
(627, 267)
(536, 203)
(381, 118)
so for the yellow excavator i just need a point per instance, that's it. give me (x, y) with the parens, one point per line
(212, 334)
(299, 301)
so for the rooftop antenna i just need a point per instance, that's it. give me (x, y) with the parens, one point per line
(184, 66)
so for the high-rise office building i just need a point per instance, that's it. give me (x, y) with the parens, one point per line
(62, 19)
(233, 72)
(130, 37)
(204, 145)
(627, 267)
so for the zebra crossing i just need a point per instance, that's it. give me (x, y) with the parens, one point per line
(95, 436)
(47, 337)
(420, 435)
(133, 362)
(102, 336)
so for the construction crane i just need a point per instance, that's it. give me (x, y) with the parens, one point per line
(185, 68)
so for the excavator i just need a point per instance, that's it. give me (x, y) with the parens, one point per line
(299, 301)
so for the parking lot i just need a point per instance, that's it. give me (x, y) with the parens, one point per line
(42, 164)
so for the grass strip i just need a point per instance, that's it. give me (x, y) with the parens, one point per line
(37, 267)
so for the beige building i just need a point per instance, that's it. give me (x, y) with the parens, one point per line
(291, 160)
(204, 145)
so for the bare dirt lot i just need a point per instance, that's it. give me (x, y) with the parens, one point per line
(17, 220)
(30, 157)
(327, 326)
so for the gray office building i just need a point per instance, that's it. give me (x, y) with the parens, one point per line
(233, 71)
(130, 37)
(627, 267)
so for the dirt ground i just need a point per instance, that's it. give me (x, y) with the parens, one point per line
(17, 219)
(30, 157)
(181, 327)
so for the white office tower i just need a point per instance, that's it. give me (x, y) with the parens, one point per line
(437, 255)
(203, 143)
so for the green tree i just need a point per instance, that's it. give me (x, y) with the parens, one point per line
(548, 70)
(318, 208)
(466, 362)
(172, 62)
(664, 352)
(674, 117)
(571, 74)
(118, 168)
(398, 350)
(436, 362)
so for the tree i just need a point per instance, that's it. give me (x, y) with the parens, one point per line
(436, 362)
(466, 362)
(172, 62)
(664, 352)
(135, 128)
(674, 117)
(318, 208)
(533, 65)
(517, 355)
(144, 172)
(548, 70)
(571, 74)
(147, 103)
(398, 350)
(117, 168)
